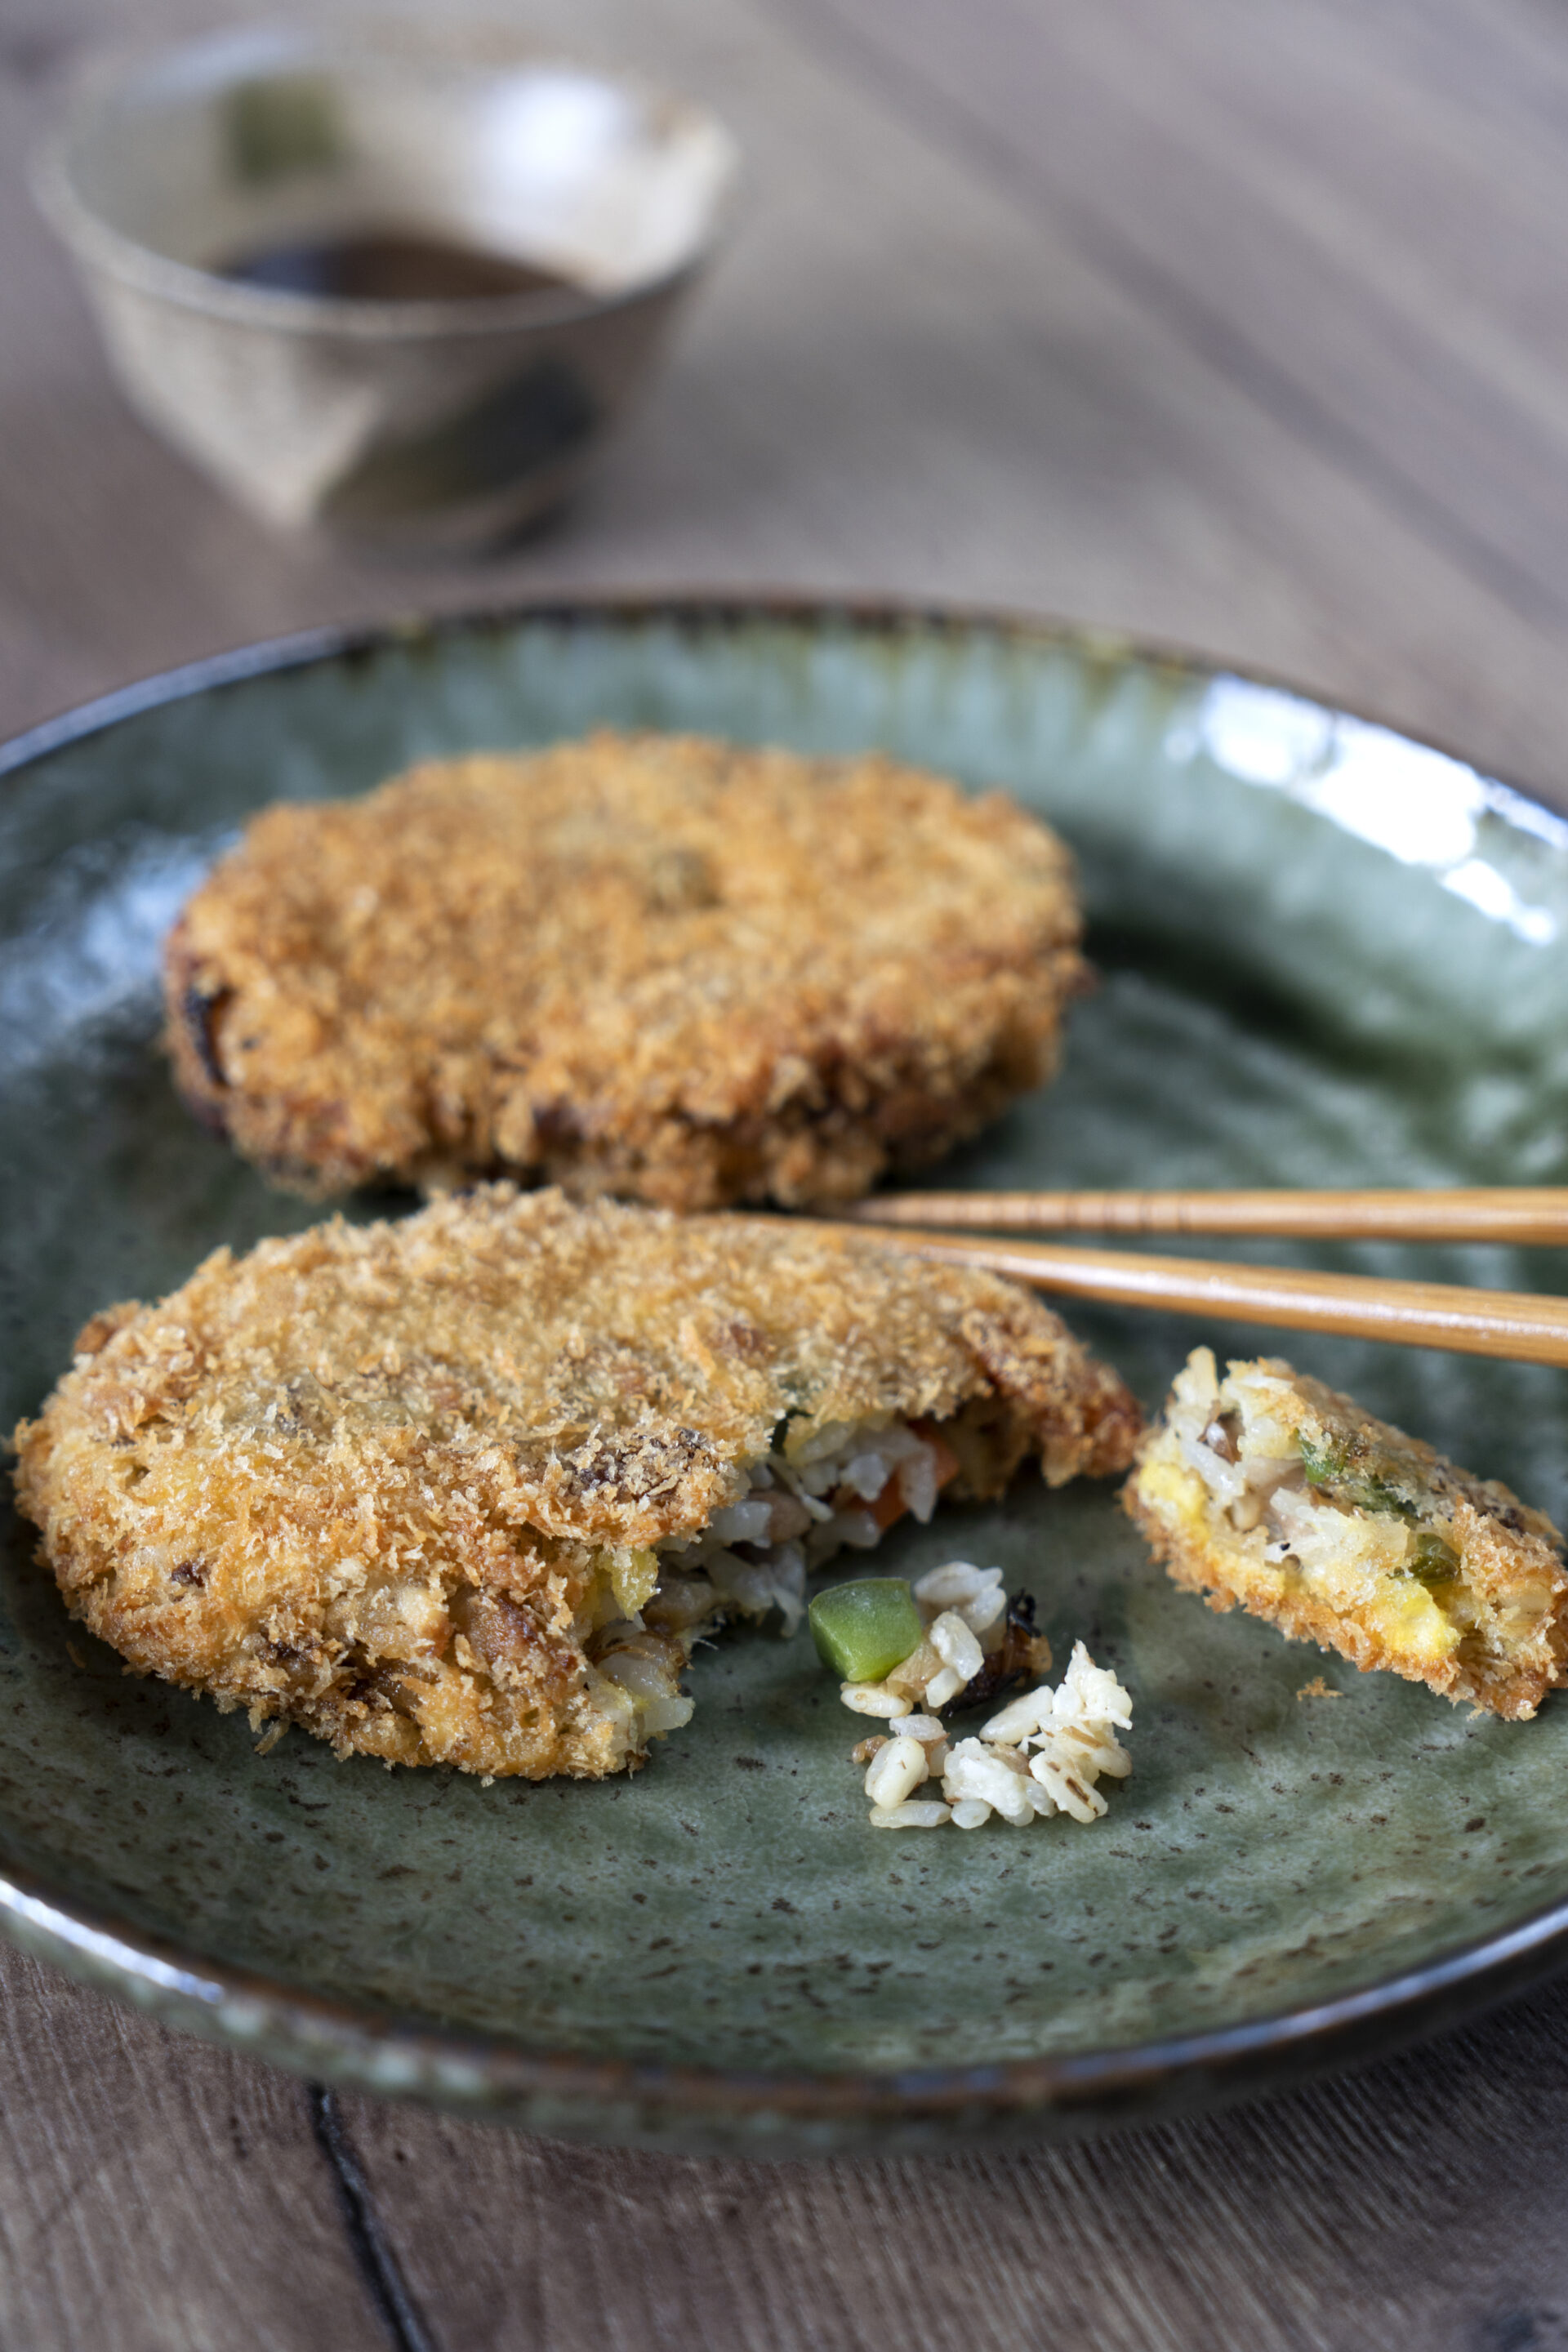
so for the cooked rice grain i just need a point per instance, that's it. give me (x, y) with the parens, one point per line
(1072, 1729)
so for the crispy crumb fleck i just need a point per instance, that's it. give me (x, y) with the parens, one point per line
(1318, 1688)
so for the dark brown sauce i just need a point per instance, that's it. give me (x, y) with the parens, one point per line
(389, 265)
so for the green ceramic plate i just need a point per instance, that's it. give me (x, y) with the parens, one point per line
(1329, 955)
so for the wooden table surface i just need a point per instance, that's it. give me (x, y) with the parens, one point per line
(1237, 322)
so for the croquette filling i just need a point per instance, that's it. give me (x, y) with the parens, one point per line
(838, 1487)
(1348, 1528)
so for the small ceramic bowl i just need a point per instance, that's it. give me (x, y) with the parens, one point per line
(440, 422)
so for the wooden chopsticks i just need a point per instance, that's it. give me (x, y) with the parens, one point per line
(1496, 1214)
(1509, 1323)
(1516, 1325)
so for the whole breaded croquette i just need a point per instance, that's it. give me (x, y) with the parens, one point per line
(464, 1487)
(654, 965)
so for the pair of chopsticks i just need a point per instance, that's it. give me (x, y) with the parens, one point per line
(1517, 1326)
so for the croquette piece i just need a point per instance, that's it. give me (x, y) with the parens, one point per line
(657, 966)
(1268, 1489)
(463, 1488)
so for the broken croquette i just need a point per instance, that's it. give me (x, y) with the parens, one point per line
(466, 1487)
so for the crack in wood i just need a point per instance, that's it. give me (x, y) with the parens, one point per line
(374, 2258)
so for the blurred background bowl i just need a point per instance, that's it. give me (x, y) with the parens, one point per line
(425, 413)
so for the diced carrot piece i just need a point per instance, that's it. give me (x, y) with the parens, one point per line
(890, 1504)
(948, 1465)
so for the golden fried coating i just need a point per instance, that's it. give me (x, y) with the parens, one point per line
(652, 965)
(398, 1483)
(1269, 1489)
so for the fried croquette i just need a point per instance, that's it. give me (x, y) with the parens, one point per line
(657, 966)
(1269, 1489)
(464, 1488)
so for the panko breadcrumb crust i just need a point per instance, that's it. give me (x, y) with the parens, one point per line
(377, 1479)
(658, 966)
(1511, 1556)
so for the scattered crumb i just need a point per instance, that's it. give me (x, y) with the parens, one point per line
(1317, 1688)
(74, 1655)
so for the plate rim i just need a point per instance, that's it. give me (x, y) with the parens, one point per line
(494, 2076)
(728, 607)
(784, 2112)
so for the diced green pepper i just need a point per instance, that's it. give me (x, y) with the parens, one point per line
(1328, 1468)
(864, 1629)
(1432, 1561)
(1321, 1462)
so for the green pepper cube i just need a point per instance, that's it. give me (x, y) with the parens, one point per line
(1431, 1560)
(866, 1629)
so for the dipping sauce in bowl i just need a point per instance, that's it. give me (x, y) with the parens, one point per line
(394, 281)
(389, 265)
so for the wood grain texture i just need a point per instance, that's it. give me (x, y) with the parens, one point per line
(1356, 340)
(1301, 206)
(1419, 2205)
(1239, 323)
(156, 2196)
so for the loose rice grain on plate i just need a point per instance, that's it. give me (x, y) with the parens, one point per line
(1071, 1729)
